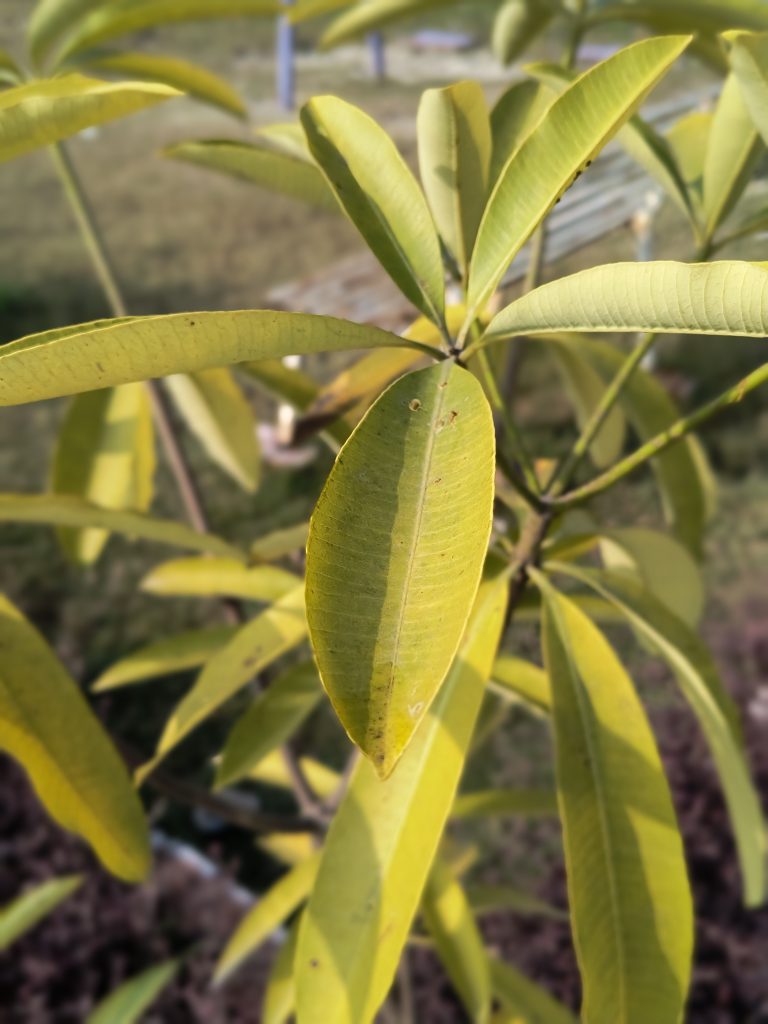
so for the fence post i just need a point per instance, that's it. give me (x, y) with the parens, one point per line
(378, 56)
(285, 53)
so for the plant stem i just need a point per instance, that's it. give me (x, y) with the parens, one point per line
(661, 441)
(565, 471)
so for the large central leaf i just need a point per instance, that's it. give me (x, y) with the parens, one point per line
(395, 554)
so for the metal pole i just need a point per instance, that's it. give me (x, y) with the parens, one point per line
(378, 56)
(285, 54)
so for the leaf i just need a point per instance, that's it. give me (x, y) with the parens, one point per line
(42, 112)
(179, 74)
(489, 899)
(627, 881)
(10, 72)
(451, 923)
(51, 19)
(33, 906)
(57, 363)
(689, 141)
(280, 543)
(386, 618)
(273, 771)
(218, 414)
(574, 129)
(257, 644)
(529, 803)
(266, 915)
(64, 510)
(104, 455)
(710, 16)
(454, 134)
(120, 17)
(280, 993)
(748, 57)
(727, 298)
(288, 173)
(47, 726)
(380, 196)
(528, 1002)
(524, 680)
(516, 113)
(697, 675)
(373, 15)
(733, 151)
(382, 842)
(165, 657)
(218, 577)
(272, 718)
(517, 24)
(128, 1003)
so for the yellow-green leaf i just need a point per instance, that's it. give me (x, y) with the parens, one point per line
(525, 1001)
(218, 577)
(105, 455)
(454, 159)
(451, 923)
(268, 913)
(627, 881)
(179, 74)
(395, 554)
(105, 353)
(517, 24)
(218, 414)
(380, 196)
(33, 906)
(748, 58)
(46, 725)
(64, 510)
(718, 716)
(528, 803)
(290, 173)
(724, 298)
(489, 899)
(271, 719)
(120, 17)
(51, 19)
(165, 657)
(274, 772)
(516, 113)
(10, 72)
(279, 543)
(733, 151)
(280, 993)
(42, 112)
(128, 1003)
(524, 680)
(383, 840)
(375, 14)
(257, 644)
(574, 129)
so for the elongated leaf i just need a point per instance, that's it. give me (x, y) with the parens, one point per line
(166, 657)
(733, 151)
(489, 899)
(51, 19)
(257, 644)
(454, 159)
(517, 24)
(46, 111)
(303, 10)
(273, 771)
(275, 545)
(10, 72)
(272, 719)
(710, 16)
(638, 138)
(219, 577)
(375, 14)
(748, 58)
(120, 17)
(526, 681)
(382, 842)
(529, 803)
(46, 725)
(105, 353)
(380, 196)
(179, 74)
(33, 906)
(104, 455)
(627, 881)
(267, 914)
(699, 681)
(280, 993)
(386, 619)
(64, 510)
(289, 173)
(128, 1003)
(217, 412)
(451, 923)
(689, 141)
(573, 131)
(726, 298)
(527, 1002)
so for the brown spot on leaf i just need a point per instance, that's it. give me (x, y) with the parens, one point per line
(414, 405)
